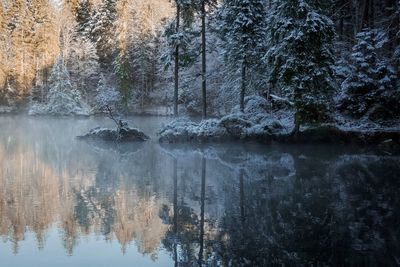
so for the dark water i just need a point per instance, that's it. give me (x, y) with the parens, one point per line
(65, 202)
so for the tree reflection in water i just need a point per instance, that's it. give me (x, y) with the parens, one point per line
(218, 205)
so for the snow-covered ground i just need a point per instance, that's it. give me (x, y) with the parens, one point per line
(259, 122)
(256, 121)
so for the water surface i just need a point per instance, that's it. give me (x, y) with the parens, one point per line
(65, 202)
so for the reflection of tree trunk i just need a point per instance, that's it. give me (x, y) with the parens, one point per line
(175, 176)
(203, 194)
(242, 215)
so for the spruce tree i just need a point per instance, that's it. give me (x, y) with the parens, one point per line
(103, 31)
(370, 89)
(301, 58)
(106, 96)
(123, 70)
(179, 34)
(83, 17)
(243, 32)
(63, 98)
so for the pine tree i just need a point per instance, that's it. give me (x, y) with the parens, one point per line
(178, 36)
(301, 58)
(63, 98)
(123, 70)
(243, 32)
(83, 65)
(370, 88)
(83, 17)
(103, 31)
(107, 95)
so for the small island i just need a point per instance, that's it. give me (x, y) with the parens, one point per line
(122, 133)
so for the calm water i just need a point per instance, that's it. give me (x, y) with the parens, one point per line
(65, 202)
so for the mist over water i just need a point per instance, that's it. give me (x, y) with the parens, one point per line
(67, 202)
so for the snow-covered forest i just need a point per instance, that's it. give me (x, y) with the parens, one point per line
(199, 133)
(302, 61)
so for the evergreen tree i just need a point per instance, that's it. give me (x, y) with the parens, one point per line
(83, 17)
(244, 35)
(103, 30)
(184, 8)
(301, 58)
(123, 70)
(63, 98)
(84, 68)
(370, 89)
(107, 95)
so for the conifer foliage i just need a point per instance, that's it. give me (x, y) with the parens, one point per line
(63, 98)
(301, 58)
(370, 88)
(243, 31)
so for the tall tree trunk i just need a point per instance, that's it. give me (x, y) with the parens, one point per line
(365, 18)
(243, 86)
(341, 27)
(356, 17)
(371, 14)
(296, 129)
(176, 61)
(203, 58)
(298, 116)
(392, 11)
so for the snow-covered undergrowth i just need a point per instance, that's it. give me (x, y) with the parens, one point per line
(256, 121)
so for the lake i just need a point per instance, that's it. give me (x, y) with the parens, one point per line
(67, 202)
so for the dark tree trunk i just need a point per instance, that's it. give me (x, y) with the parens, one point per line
(243, 86)
(203, 58)
(298, 116)
(176, 61)
(356, 18)
(392, 11)
(341, 27)
(371, 14)
(297, 122)
(366, 18)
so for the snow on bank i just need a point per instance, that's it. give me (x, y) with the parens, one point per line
(257, 123)
(6, 109)
(254, 122)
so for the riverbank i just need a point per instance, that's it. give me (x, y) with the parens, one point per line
(277, 129)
